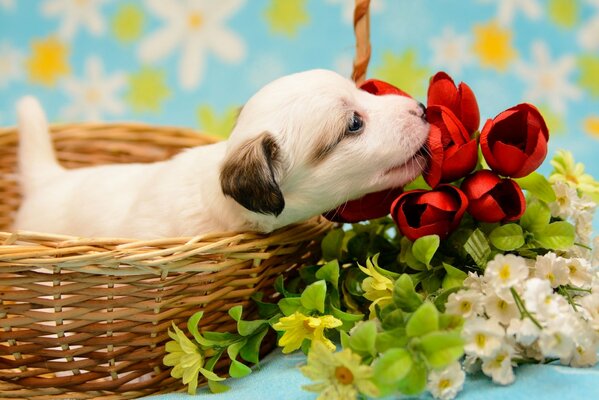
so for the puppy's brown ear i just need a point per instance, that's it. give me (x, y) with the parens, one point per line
(248, 175)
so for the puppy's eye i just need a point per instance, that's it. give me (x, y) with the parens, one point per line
(356, 124)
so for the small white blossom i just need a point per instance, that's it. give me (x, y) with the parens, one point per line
(467, 303)
(524, 331)
(451, 51)
(499, 368)
(556, 340)
(74, 14)
(475, 282)
(579, 272)
(566, 201)
(446, 383)
(500, 308)
(595, 255)
(540, 300)
(585, 353)
(583, 223)
(471, 364)
(590, 304)
(552, 268)
(483, 337)
(505, 271)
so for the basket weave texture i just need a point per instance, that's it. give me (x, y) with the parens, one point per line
(88, 317)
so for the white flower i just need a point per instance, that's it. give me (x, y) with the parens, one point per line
(579, 272)
(505, 271)
(583, 223)
(376, 6)
(552, 268)
(451, 51)
(507, 9)
(466, 303)
(548, 79)
(540, 300)
(585, 353)
(475, 282)
(595, 256)
(556, 339)
(499, 368)
(566, 201)
(588, 35)
(483, 337)
(196, 27)
(500, 309)
(11, 64)
(524, 331)
(75, 13)
(471, 364)
(95, 93)
(590, 304)
(446, 383)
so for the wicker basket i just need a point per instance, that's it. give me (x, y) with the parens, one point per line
(87, 317)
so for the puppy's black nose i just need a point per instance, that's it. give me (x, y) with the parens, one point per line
(423, 108)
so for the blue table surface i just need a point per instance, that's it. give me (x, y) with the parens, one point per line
(279, 378)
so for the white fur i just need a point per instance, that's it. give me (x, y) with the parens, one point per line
(183, 196)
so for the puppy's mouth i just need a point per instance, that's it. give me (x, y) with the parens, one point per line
(420, 158)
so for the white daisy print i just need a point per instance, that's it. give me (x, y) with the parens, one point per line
(348, 6)
(196, 27)
(507, 9)
(74, 14)
(588, 35)
(548, 79)
(451, 51)
(95, 94)
(11, 64)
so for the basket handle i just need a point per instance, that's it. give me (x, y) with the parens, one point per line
(362, 30)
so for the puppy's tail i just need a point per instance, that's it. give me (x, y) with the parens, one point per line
(36, 153)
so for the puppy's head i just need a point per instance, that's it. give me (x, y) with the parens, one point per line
(308, 142)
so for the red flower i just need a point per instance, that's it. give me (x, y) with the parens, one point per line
(492, 199)
(514, 143)
(453, 153)
(373, 205)
(442, 91)
(419, 213)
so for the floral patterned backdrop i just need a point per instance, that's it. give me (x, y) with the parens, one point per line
(194, 62)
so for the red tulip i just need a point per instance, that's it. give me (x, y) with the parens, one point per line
(442, 91)
(492, 199)
(419, 213)
(373, 205)
(514, 143)
(453, 153)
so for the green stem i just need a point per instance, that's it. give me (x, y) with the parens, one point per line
(570, 287)
(523, 311)
(564, 292)
(584, 246)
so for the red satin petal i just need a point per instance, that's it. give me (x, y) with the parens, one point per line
(377, 87)
(432, 175)
(454, 127)
(441, 228)
(479, 183)
(459, 161)
(433, 214)
(462, 200)
(486, 209)
(442, 91)
(372, 205)
(440, 199)
(410, 196)
(509, 159)
(484, 143)
(510, 198)
(534, 160)
(469, 113)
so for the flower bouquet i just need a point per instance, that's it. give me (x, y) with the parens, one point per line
(484, 264)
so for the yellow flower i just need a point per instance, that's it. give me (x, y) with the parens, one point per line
(187, 360)
(214, 124)
(298, 327)
(338, 375)
(286, 16)
(147, 89)
(492, 45)
(128, 23)
(591, 126)
(48, 61)
(404, 71)
(377, 287)
(566, 170)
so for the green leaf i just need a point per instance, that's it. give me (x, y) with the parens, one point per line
(313, 296)
(280, 287)
(442, 348)
(363, 338)
(251, 351)
(332, 244)
(454, 277)
(246, 328)
(441, 297)
(344, 339)
(418, 183)
(238, 369)
(192, 326)
(538, 186)
(557, 236)
(265, 310)
(235, 312)
(404, 294)
(424, 248)
(390, 339)
(431, 283)
(478, 248)
(289, 305)
(415, 381)
(406, 255)
(507, 237)
(348, 319)
(217, 387)
(424, 320)
(224, 338)
(536, 217)
(392, 366)
(330, 273)
(450, 322)
(394, 319)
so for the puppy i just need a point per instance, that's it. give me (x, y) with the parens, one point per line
(302, 145)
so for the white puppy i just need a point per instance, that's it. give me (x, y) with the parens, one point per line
(302, 145)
